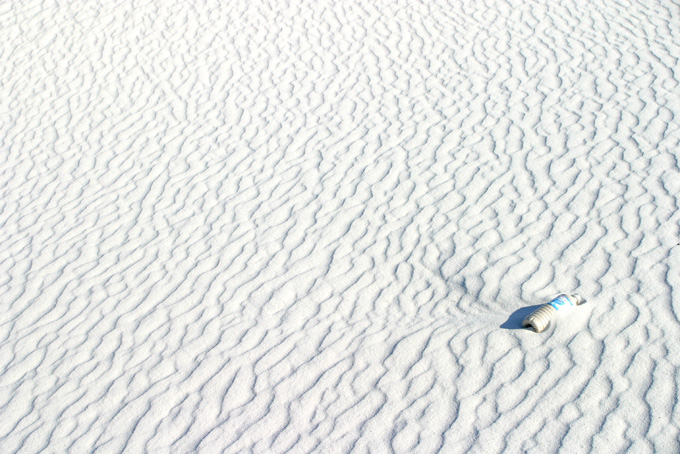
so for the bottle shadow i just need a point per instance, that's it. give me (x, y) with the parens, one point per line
(514, 321)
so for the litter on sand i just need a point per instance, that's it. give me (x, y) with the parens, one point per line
(540, 319)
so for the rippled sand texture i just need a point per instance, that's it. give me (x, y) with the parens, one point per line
(314, 226)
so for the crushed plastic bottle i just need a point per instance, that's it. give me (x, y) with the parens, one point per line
(540, 318)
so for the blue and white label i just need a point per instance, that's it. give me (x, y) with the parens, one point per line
(561, 301)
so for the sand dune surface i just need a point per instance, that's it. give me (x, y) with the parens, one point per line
(316, 226)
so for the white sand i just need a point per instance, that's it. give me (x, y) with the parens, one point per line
(315, 226)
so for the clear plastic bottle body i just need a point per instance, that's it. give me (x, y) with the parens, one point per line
(540, 319)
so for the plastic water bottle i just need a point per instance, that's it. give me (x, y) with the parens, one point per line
(540, 318)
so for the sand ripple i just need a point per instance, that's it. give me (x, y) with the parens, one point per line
(303, 226)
